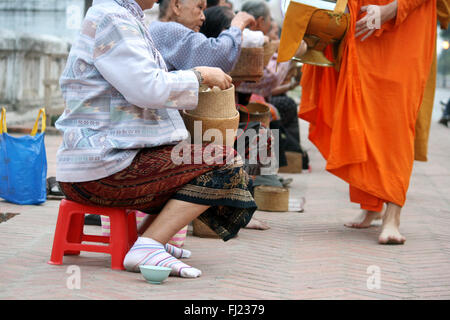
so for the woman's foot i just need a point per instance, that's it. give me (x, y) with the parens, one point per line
(256, 224)
(146, 251)
(365, 219)
(390, 233)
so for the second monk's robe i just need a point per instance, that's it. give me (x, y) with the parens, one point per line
(362, 118)
(423, 121)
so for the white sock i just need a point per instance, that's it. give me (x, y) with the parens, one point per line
(147, 251)
(177, 252)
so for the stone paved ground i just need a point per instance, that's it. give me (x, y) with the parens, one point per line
(308, 255)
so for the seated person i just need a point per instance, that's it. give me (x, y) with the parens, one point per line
(121, 130)
(176, 35)
(217, 20)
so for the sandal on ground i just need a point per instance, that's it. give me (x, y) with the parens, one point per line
(53, 190)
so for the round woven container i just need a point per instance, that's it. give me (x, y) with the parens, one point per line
(249, 66)
(215, 103)
(226, 126)
(269, 49)
(258, 112)
(270, 198)
(202, 230)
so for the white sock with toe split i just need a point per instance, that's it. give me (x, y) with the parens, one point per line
(177, 252)
(147, 251)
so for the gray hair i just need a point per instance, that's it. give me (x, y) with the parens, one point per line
(257, 8)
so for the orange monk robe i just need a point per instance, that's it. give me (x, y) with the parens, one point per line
(423, 121)
(362, 119)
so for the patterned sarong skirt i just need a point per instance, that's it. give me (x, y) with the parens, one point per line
(213, 177)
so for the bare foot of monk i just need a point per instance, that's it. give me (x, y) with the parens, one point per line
(364, 220)
(256, 224)
(390, 233)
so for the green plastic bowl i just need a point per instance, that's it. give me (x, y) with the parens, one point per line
(155, 275)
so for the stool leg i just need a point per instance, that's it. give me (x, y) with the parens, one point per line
(62, 225)
(132, 229)
(75, 232)
(119, 239)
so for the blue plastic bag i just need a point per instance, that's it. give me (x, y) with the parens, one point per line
(23, 164)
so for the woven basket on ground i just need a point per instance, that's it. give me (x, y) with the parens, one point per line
(249, 66)
(258, 112)
(294, 163)
(270, 198)
(225, 128)
(202, 230)
(215, 103)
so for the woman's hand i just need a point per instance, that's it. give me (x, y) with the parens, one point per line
(380, 14)
(214, 77)
(243, 20)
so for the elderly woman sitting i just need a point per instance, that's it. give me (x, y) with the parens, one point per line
(181, 44)
(122, 126)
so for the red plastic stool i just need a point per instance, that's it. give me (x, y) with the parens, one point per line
(69, 233)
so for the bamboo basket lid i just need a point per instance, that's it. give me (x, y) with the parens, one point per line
(215, 103)
(250, 65)
(269, 198)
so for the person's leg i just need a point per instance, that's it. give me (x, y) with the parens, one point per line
(173, 250)
(372, 208)
(174, 216)
(288, 110)
(257, 225)
(150, 249)
(390, 233)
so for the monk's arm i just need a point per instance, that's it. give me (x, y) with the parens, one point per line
(405, 7)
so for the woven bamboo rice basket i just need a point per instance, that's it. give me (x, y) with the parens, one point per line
(257, 111)
(202, 230)
(294, 163)
(227, 128)
(215, 103)
(269, 198)
(269, 49)
(249, 66)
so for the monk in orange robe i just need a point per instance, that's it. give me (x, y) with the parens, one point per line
(362, 118)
